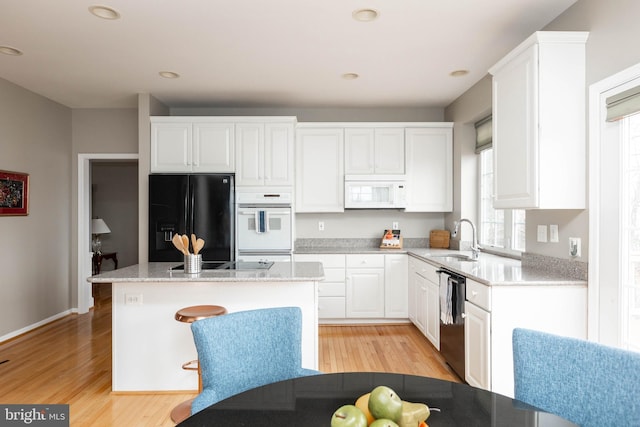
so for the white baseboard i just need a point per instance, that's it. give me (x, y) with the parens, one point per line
(34, 326)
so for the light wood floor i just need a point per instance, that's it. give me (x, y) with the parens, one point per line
(69, 361)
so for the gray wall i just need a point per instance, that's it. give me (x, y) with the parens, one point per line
(35, 136)
(96, 130)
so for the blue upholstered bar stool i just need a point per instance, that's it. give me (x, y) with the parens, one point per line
(190, 315)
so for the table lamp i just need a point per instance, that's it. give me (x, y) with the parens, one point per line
(98, 227)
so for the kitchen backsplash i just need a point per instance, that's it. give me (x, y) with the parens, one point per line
(567, 267)
(408, 242)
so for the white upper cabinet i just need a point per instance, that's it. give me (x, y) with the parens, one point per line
(319, 169)
(429, 161)
(374, 150)
(539, 123)
(187, 144)
(213, 147)
(264, 153)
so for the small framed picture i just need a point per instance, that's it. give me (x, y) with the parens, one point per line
(14, 193)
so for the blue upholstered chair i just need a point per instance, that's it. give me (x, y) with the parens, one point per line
(587, 383)
(247, 349)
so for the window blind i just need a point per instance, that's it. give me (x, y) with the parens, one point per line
(484, 134)
(623, 104)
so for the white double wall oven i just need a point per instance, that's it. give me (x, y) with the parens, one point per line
(264, 225)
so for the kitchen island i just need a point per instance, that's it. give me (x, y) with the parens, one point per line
(149, 346)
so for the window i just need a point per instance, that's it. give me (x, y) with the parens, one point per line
(500, 229)
(630, 211)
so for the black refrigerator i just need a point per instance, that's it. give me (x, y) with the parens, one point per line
(202, 204)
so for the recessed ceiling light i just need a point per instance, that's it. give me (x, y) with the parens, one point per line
(350, 76)
(104, 12)
(7, 50)
(365, 15)
(459, 73)
(169, 74)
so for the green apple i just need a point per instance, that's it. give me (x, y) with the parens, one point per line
(382, 422)
(385, 403)
(349, 416)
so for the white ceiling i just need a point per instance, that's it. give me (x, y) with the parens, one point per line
(258, 53)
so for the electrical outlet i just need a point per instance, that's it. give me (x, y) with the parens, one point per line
(396, 225)
(320, 225)
(133, 299)
(575, 247)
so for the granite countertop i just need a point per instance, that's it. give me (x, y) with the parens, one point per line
(350, 250)
(489, 269)
(161, 272)
(496, 270)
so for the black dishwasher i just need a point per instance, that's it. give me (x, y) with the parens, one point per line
(452, 297)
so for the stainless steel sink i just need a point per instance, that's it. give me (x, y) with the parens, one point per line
(454, 257)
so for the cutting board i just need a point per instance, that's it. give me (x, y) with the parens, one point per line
(439, 239)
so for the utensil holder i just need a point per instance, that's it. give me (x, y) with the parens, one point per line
(192, 263)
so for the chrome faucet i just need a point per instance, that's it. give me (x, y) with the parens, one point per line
(475, 249)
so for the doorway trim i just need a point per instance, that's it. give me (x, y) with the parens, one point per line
(85, 299)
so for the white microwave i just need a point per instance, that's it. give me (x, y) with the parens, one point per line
(374, 192)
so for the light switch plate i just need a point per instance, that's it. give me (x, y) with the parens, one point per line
(553, 233)
(542, 233)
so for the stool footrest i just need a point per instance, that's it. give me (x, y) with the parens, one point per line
(191, 365)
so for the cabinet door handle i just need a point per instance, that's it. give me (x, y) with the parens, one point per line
(474, 294)
(463, 315)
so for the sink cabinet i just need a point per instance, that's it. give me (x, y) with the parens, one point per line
(539, 123)
(424, 299)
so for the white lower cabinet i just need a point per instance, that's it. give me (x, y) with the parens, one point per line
(492, 312)
(331, 290)
(396, 290)
(420, 296)
(426, 293)
(367, 287)
(477, 336)
(412, 285)
(432, 327)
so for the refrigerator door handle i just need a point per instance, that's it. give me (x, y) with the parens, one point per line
(185, 210)
(192, 208)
